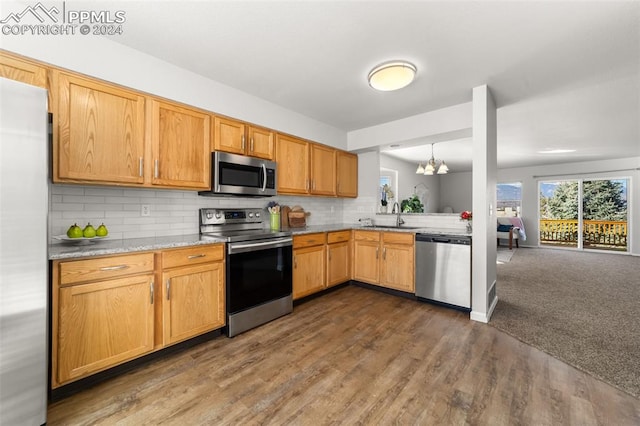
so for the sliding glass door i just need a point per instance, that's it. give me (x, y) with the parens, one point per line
(584, 213)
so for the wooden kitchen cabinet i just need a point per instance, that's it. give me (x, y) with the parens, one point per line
(397, 261)
(180, 146)
(292, 156)
(240, 138)
(385, 259)
(322, 170)
(347, 174)
(16, 68)
(98, 132)
(193, 292)
(102, 314)
(338, 257)
(309, 265)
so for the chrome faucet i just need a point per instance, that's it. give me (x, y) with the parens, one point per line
(399, 220)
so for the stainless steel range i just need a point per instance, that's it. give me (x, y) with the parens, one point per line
(258, 266)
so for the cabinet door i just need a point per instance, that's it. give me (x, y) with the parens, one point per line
(100, 134)
(260, 143)
(308, 271)
(18, 69)
(398, 267)
(292, 156)
(229, 135)
(347, 172)
(338, 266)
(323, 170)
(366, 261)
(194, 301)
(103, 324)
(181, 146)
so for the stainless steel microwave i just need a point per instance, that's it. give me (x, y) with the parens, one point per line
(241, 175)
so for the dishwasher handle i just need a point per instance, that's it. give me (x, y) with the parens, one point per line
(443, 239)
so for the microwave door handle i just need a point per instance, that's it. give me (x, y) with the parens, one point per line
(264, 177)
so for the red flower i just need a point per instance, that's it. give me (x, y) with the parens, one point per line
(466, 215)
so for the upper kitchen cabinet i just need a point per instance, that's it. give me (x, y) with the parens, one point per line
(180, 146)
(347, 172)
(240, 138)
(292, 156)
(98, 132)
(15, 68)
(323, 170)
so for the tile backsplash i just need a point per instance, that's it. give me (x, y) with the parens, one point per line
(172, 212)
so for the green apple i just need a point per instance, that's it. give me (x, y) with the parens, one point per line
(89, 231)
(102, 231)
(74, 231)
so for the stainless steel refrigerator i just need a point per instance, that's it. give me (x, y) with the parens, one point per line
(23, 254)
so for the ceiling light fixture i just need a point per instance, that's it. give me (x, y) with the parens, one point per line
(392, 75)
(433, 165)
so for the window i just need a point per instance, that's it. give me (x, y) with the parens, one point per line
(509, 199)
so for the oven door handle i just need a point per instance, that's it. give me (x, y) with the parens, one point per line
(264, 245)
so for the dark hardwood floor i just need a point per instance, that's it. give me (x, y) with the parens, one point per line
(356, 356)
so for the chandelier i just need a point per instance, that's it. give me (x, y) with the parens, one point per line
(433, 165)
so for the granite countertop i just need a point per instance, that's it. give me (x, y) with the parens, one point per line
(104, 247)
(74, 250)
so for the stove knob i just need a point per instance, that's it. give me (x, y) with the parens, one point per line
(209, 215)
(257, 214)
(218, 215)
(250, 215)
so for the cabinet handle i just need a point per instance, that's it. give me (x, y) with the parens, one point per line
(195, 256)
(155, 168)
(295, 263)
(151, 288)
(114, 268)
(338, 188)
(308, 182)
(140, 167)
(251, 144)
(243, 142)
(377, 252)
(329, 254)
(168, 288)
(313, 184)
(384, 253)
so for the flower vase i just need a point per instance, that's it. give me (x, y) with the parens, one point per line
(469, 227)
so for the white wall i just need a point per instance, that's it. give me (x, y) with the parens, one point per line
(408, 179)
(456, 191)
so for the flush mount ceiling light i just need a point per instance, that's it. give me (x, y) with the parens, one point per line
(433, 165)
(392, 75)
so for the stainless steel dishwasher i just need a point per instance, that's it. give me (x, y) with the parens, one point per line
(443, 269)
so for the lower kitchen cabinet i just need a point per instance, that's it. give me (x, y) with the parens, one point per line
(112, 309)
(385, 259)
(194, 301)
(103, 322)
(309, 266)
(338, 257)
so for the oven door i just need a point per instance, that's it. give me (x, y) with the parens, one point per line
(258, 272)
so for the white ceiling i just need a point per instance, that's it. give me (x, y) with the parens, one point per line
(563, 74)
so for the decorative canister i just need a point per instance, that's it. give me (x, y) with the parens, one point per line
(275, 221)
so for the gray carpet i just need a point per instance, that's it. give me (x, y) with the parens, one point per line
(582, 308)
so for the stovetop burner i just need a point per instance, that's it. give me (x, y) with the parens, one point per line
(235, 225)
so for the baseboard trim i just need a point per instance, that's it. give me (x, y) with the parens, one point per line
(485, 317)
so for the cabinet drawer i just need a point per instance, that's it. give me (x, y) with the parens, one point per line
(309, 240)
(398, 237)
(338, 237)
(192, 255)
(104, 268)
(366, 235)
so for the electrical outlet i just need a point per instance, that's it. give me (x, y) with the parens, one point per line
(145, 210)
